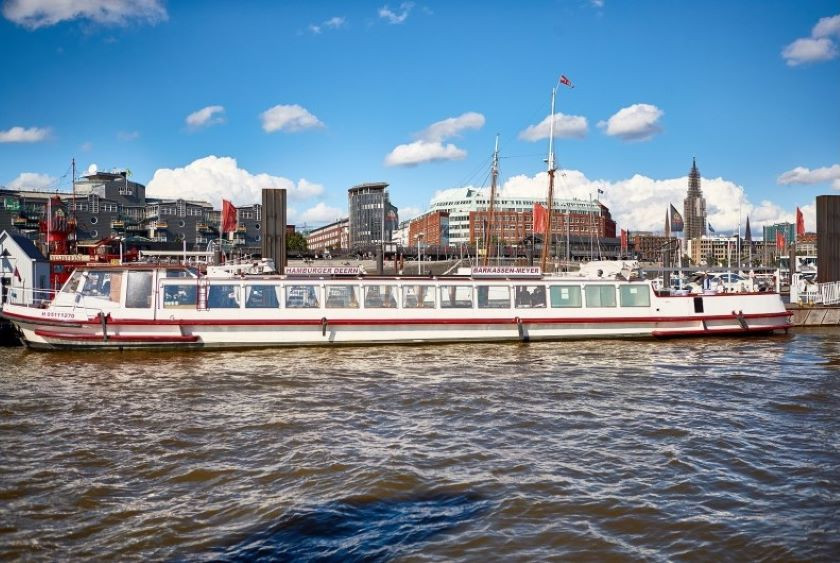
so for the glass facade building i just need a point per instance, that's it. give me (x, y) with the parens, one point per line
(373, 219)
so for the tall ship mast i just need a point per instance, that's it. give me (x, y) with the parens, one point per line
(488, 234)
(547, 240)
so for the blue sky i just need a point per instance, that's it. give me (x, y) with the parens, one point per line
(319, 96)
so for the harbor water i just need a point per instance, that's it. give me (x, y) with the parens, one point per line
(657, 450)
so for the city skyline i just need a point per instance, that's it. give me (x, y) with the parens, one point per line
(204, 100)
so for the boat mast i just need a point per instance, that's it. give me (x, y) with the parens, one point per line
(547, 240)
(75, 235)
(494, 174)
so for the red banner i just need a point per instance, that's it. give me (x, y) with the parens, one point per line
(780, 241)
(623, 240)
(228, 216)
(800, 223)
(540, 218)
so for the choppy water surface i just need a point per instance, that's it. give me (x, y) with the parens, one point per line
(691, 449)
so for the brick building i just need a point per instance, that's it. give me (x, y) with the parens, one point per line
(335, 236)
(432, 227)
(514, 226)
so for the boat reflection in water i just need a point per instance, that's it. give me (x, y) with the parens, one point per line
(141, 306)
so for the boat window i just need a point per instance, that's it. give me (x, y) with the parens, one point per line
(223, 297)
(343, 296)
(179, 273)
(565, 296)
(380, 297)
(634, 295)
(600, 295)
(493, 297)
(138, 293)
(456, 297)
(303, 296)
(97, 284)
(418, 297)
(72, 284)
(180, 296)
(262, 296)
(529, 296)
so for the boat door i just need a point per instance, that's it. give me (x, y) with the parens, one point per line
(139, 294)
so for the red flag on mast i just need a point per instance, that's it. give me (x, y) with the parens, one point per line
(540, 218)
(228, 216)
(800, 223)
(565, 81)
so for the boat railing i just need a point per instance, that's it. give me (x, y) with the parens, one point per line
(30, 297)
(829, 293)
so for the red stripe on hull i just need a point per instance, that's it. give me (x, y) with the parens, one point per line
(394, 321)
(123, 338)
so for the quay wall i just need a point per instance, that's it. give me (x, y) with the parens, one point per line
(815, 315)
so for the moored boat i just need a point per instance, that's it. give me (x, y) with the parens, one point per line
(145, 306)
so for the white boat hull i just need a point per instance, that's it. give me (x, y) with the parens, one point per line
(279, 331)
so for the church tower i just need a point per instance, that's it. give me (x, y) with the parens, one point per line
(694, 206)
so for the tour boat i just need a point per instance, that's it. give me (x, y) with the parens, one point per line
(152, 306)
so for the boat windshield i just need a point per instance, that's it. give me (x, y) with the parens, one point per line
(72, 283)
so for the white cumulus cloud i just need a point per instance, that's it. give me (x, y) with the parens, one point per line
(818, 47)
(802, 175)
(565, 127)
(827, 27)
(639, 203)
(419, 152)
(34, 14)
(320, 213)
(638, 122)
(809, 50)
(33, 180)
(206, 117)
(24, 135)
(430, 146)
(288, 118)
(396, 17)
(212, 178)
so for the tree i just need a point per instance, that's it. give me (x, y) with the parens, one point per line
(296, 242)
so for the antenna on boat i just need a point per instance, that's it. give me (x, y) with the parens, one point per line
(494, 175)
(547, 243)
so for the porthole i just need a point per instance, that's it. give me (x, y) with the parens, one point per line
(257, 225)
(94, 233)
(93, 220)
(182, 223)
(259, 238)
